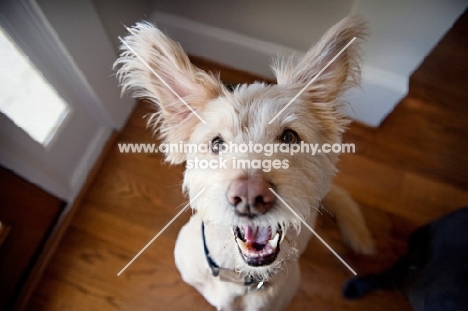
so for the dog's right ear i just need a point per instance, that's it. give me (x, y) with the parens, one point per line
(154, 67)
(333, 63)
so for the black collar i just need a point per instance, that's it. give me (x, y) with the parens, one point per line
(211, 263)
(251, 283)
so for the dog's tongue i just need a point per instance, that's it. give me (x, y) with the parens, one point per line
(256, 234)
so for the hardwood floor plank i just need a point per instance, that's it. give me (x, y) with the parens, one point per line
(398, 191)
(86, 269)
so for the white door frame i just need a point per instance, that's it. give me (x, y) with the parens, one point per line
(63, 166)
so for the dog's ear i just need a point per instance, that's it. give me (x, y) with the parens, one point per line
(342, 73)
(154, 67)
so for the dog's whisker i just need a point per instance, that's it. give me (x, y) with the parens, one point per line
(322, 206)
(313, 231)
(183, 204)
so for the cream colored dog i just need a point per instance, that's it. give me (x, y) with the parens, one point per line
(240, 248)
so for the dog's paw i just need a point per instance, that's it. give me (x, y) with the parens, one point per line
(357, 287)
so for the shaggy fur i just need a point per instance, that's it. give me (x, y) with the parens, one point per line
(242, 116)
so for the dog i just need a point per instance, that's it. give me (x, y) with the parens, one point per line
(433, 274)
(241, 245)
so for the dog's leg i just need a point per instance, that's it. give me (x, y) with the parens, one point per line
(350, 220)
(397, 277)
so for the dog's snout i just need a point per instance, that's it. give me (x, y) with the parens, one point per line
(250, 196)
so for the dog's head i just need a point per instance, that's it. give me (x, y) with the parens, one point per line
(240, 186)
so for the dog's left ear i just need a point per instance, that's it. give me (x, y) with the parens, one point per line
(154, 67)
(341, 74)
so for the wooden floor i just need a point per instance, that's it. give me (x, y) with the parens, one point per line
(411, 170)
(28, 215)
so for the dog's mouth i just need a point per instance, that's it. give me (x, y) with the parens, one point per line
(259, 246)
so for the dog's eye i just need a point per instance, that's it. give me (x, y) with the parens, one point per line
(289, 137)
(216, 145)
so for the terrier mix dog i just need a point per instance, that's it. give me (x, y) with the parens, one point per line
(240, 248)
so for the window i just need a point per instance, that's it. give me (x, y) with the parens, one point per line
(25, 96)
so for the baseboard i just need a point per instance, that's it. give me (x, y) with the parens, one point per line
(222, 46)
(380, 91)
(87, 162)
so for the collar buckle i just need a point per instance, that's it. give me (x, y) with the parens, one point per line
(252, 284)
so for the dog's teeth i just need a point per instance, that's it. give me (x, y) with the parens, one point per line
(268, 249)
(273, 243)
(243, 245)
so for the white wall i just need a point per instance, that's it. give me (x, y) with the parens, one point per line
(296, 24)
(116, 14)
(246, 34)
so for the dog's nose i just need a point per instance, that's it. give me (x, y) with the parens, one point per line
(250, 196)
